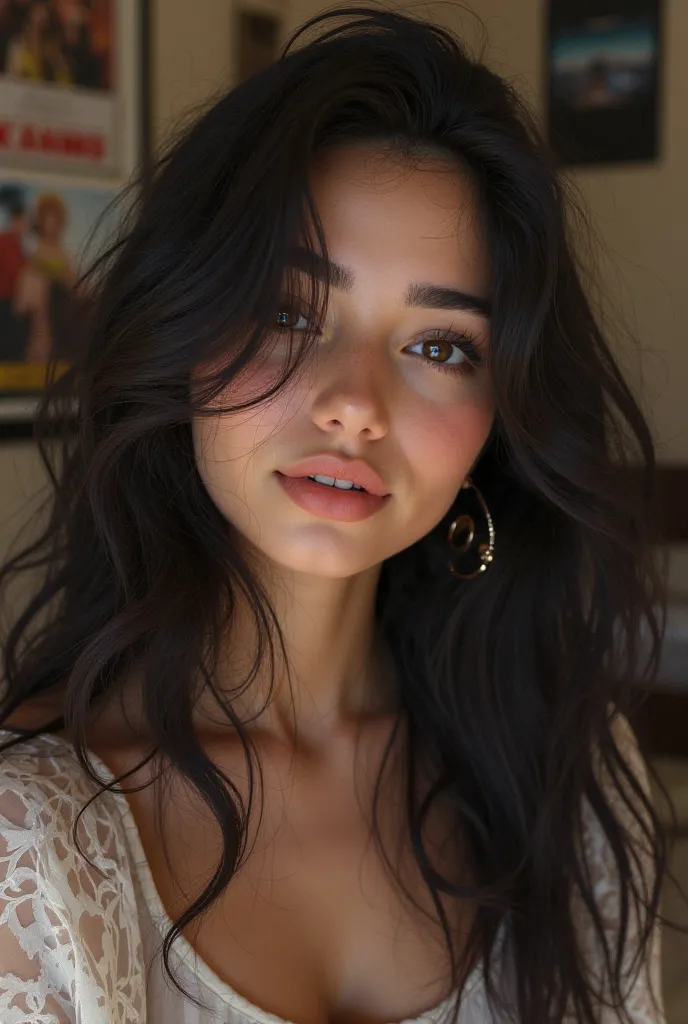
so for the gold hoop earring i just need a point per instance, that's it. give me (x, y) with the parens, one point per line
(466, 524)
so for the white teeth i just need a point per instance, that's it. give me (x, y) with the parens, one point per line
(343, 485)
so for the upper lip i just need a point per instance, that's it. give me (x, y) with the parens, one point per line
(341, 468)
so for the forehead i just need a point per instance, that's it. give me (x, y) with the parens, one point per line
(383, 213)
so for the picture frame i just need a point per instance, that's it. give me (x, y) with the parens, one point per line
(258, 35)
(603, 71)
(57, 188)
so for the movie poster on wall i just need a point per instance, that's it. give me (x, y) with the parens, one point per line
(73, 131)
(49, 233)
(69, 73)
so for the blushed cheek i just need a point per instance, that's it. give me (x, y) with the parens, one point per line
(249, 385)
(442, 444)
(231, 438)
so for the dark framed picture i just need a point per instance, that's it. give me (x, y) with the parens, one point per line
(258, 35)
(603, 80)
(74, 127)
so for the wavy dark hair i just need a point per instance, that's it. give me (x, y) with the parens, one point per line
(508, 681)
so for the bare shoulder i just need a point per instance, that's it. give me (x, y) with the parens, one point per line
(112, 727)
(37, 712)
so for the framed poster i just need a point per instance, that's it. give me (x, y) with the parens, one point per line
(603, 78)
(258, 36)
(71, 81)
(74, 127)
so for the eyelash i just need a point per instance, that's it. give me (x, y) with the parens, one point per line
(474, 359)
(464, 342)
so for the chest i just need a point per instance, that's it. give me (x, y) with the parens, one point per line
(312, 926)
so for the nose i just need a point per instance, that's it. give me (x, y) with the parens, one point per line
(352, 393)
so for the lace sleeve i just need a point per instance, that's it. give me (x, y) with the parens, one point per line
(70, 950)
(641, 984)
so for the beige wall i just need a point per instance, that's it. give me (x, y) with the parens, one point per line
(190, 40)
(641, 212)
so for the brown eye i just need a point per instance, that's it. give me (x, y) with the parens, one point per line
(440, 350)
(450, 353)
(290, 318)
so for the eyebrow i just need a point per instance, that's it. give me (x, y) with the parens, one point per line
(429, 296)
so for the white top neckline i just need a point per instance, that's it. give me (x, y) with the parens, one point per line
(185, 950)
(82, 916)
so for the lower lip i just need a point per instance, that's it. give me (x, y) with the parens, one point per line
(331, 502)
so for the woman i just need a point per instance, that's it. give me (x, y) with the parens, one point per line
(36, 52)
(47, 282)
(325, 692)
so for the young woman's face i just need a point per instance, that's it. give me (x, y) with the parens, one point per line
(390, 381)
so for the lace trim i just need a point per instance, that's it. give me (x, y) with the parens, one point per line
(184, 951)
(69, 935)
(70, 938)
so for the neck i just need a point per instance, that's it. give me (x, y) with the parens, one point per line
(341, 669)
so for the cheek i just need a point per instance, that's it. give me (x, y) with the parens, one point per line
(225, 443)
(442, 442)
(249, 384)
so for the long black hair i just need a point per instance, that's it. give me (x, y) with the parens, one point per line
(508, 682)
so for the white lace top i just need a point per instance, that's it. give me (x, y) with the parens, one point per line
(78, 946)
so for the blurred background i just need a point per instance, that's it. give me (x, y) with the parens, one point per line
(87, 89)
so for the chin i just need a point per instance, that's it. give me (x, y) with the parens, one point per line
(319, 560)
